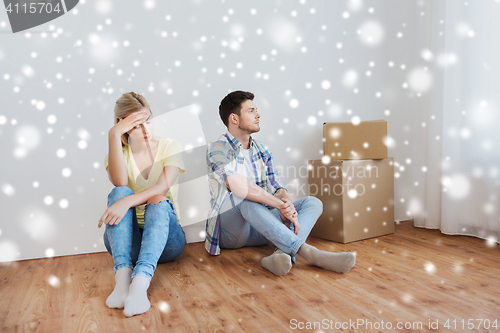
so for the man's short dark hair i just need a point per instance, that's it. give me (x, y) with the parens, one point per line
(232, 104)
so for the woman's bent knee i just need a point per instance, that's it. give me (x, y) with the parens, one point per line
(118, 193)
(121, 191)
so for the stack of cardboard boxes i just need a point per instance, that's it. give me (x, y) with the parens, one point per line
(355, 182)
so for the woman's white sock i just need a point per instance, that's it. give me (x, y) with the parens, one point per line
(117, 297)
(137, 301)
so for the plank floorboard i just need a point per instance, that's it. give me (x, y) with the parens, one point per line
(414, 275)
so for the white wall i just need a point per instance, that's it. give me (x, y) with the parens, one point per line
(177, 54)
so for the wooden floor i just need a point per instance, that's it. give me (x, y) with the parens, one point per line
(414, 275)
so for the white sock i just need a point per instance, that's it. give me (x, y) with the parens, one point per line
(279, 263)
(337, 262)
(117, 297)
(137, 301)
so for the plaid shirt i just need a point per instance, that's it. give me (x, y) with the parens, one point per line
(225, 158)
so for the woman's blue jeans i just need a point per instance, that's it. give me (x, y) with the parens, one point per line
(161, 240)
(248, 223)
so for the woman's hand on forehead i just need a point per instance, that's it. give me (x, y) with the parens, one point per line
(147, 112)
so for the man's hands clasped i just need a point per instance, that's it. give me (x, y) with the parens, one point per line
(289, 213)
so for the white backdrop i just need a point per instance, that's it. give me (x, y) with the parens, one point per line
(307, 62)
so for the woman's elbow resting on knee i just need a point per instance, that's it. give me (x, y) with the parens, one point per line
(122, 188)
(156, 199)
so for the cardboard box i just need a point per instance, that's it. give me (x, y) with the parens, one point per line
(357, 196)
(346, 141)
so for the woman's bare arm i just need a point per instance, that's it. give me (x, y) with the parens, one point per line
(162, 186)
(117, 171)
(115, 213)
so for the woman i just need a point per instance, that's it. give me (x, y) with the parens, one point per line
(142, 219)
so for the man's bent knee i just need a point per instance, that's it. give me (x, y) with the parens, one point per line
(156, 199)
(250, 203)
(315, 202)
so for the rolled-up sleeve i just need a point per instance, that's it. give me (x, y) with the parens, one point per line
(273, 181)
(220, 162)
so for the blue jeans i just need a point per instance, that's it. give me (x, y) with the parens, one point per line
(248, 223)
(161, 240)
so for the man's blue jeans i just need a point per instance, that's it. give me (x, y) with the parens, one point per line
(161, 240)
(248, 223)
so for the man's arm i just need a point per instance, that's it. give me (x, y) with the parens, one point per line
(220, 166)
(282, 193)
(243, 187)
(275, 185)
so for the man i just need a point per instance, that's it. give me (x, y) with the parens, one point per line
(250, 206)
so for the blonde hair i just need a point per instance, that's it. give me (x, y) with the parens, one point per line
(125, 105)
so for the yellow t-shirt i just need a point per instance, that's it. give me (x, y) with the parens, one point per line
(169, 153)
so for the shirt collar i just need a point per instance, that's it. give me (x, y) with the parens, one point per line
(234, 142)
